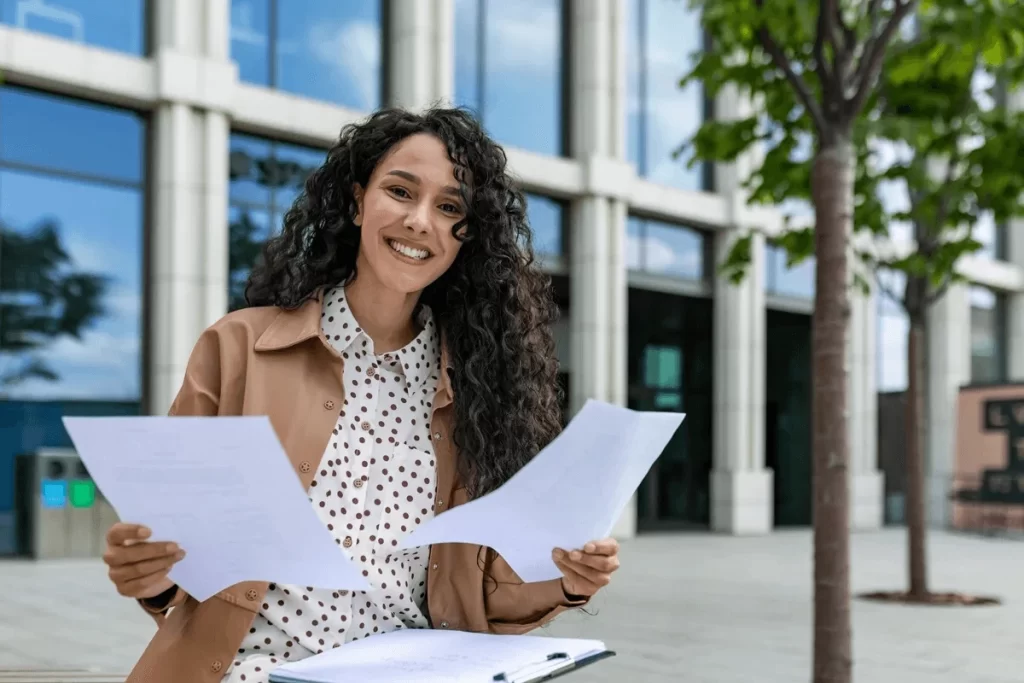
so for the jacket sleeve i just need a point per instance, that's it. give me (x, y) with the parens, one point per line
(199, 396)
(514, 607)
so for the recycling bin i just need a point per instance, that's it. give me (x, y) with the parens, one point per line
(58, 511)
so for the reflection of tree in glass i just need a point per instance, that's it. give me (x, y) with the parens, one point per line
(245, 234)
(42, 298)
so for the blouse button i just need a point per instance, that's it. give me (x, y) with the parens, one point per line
(370, 370)
(347, 542)
(216, 666)
(365, 426)
(358, 483)
(342, 593)
(251, 595)
(305, 466)
(328, 405)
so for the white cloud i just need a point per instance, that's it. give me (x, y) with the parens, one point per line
(352, 49)
(657, 256)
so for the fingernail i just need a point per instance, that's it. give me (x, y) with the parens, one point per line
(180, 556)
(144, 532)
(558, 553)
(590, 547)
(575, 555)
(171, 548)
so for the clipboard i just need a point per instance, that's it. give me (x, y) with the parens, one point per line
(558, 664)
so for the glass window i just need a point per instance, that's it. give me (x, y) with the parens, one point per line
(662, 36)
(510, 69)
(782, 280)
(664, 249)
(119, 25)
(891, 334)
(988, 325)
(265, 177)
(71, 284)
(327, 51)
(547, 219)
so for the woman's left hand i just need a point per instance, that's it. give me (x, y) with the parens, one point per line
(588, 570)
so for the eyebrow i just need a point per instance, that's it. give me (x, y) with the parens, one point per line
(447, 189)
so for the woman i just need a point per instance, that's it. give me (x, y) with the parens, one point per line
(399, 341)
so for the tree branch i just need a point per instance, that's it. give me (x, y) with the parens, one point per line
(885, 289)
(874, 54)
(798, 83)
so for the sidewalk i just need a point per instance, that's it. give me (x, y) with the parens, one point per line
(684, 608)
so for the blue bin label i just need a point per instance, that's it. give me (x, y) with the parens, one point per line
(54, 493)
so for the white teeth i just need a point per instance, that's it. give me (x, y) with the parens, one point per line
(418, 254)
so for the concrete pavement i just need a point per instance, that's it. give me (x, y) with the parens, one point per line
(684, 608)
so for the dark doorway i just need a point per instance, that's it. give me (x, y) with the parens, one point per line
(670, 366)
(788, 415)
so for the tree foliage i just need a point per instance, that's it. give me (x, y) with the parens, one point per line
(934, 131)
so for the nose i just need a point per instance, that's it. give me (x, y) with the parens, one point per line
(418, 218)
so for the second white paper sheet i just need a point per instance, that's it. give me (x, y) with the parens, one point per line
(223, 489)
(572, 492)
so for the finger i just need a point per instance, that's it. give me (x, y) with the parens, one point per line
(575, 584)
(118, 556)
(593, 576)
(141, 585)
(602, 563)
(138, 570)
(122, 532)
(605, 546)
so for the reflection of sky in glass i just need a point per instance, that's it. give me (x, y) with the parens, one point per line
(891, 335)
(327, 51)
(64, 135)
(112, 24)
(509, 69)
(988, 313)
(546, 219)
(797, 281)
(661, 116)
(664, 249)
(101, 228)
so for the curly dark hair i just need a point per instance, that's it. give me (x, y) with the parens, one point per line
(493, 306)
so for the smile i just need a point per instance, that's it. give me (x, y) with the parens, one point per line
(407, 251)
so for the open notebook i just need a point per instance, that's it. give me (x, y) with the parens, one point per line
(433, 656)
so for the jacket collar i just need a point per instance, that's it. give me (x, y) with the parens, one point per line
(292, 327)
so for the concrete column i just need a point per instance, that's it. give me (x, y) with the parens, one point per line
(741, 486)
(421, 52)
(597, 261)
(867, 482)
(949, 367)
(1015, 302)
(189, 239)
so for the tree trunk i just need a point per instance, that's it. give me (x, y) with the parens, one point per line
(914, 455)
(832, 194)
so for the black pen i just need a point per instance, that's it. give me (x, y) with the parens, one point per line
(503, 676)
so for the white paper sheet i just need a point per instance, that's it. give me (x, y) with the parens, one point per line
(572, 492)
(223, 489)
(433, 656)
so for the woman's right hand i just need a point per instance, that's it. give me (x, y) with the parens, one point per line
(139, 567)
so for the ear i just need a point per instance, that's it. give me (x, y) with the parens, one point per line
(358, 193)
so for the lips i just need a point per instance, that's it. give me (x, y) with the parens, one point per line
(408, 251)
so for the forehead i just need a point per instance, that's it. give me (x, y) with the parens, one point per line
(422, 154)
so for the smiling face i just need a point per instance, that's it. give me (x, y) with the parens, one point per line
(406, 214)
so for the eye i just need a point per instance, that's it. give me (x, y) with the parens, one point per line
(451, 208)
(399, 192)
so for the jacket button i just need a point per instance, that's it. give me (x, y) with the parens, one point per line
(329, 405)
(251, 595)
(440, 503)
(437, 436)
(444, 624)
(347, 542)
(216, 666)
(305, 466)
(434, 566)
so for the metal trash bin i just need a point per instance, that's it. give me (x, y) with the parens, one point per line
(58, 511)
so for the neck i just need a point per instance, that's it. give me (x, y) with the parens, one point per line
(386, 316)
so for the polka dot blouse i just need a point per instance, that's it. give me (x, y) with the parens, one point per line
(375, 484)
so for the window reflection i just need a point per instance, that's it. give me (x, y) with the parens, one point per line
(891, 334)
(783, 280)
(988, 325)
(664, 249)
(546, 216)
(327, 51)
(663, 35)
(510, 69)
(119, 25)
(265, 177)
(71, 259)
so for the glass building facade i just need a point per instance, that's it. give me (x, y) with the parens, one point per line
(130, 220)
